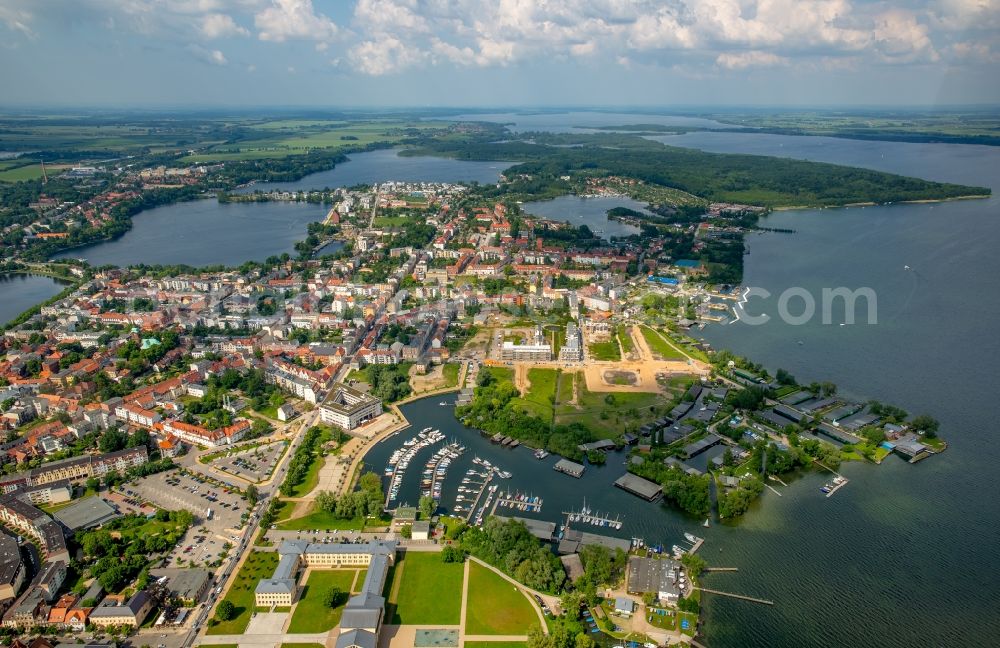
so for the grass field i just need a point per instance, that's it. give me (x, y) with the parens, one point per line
(659, 346)
(259, 564)
(29, 172)
(318, 520)
(625, 338)
(541, 392)
(605, 350)
(495, 606)
(430, 591)
(607, 415)
(311, 614)
(450, 372)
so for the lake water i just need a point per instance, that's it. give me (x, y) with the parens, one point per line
(205, 232)
(583, 121)
(592, 212)
(386, 164)
(903, 555)
(19, 292)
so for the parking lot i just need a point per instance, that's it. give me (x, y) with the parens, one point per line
(203, 542)
(254, 464)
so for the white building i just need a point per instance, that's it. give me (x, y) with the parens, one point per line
(348, 408)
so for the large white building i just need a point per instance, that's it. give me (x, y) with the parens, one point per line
(348, 408)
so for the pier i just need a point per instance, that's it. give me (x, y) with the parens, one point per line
(475, 503)
(721, 569)
(519, 501)
(742, 597)
(696, 545)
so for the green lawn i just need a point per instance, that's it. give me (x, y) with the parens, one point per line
(495, 605)
(319, 520)
(360, 580)
(450, 372)
(659, 346)
(430, 591)
(541, 391)
(259, 564)
(605, 350)
(311, 614)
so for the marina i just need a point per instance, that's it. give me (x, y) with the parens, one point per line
(400, 460)
(586, 516)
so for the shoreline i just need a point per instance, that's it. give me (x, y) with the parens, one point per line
(916, 201)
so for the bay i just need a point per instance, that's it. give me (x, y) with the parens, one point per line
(589, 211)
(19, 292)
(385, 165)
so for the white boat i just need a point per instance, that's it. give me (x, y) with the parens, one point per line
(690, 537)
(706, 523)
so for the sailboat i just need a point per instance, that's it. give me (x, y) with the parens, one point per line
(706, 523)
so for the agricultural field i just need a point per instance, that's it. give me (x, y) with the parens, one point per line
(259, 564)
(495, 606)
(430, 591)
(295, 137)
(311, 612)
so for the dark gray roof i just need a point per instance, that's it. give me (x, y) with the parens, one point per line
(275, 586)
(10, 558)
(638, 486)
(358, 638)
(86, 513)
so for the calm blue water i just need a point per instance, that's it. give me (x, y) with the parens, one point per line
(903, 555)
(592, 212)
(582, 121)
(19, 292)
(206, 232)
(384, 165)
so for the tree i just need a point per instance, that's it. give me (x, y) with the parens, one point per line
(112, 440)
(225, 611)
(427, 507)
(926, 424)
(332, 596)
(252, 494)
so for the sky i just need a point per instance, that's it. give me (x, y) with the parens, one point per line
(416, 53)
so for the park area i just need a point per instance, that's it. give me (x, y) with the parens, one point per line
(259, 564)
(313, 612)
(496, 606)
(426, 591)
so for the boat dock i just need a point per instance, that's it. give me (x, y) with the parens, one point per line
(696, 545)
(721, 569)
(837, 486)
(479, 495)
(742, 597)
(586, 516)
(839, 481)
(519, 502)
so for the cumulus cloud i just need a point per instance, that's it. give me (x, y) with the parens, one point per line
(210, 56)
(217, 25)
(900, 38)
(742, 60)
(293, 20)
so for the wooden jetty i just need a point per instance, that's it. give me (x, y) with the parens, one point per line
(721, 569)
(742, 597)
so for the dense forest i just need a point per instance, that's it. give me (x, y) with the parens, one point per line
(752, 179)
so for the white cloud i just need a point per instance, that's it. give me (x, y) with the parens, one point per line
(383, 56)
(17, 19)
(743, 60)
(211, 56)
(293, 20)
(900, 38)
(217, 25)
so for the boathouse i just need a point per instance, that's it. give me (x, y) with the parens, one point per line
(636, 485)
(571, 468)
